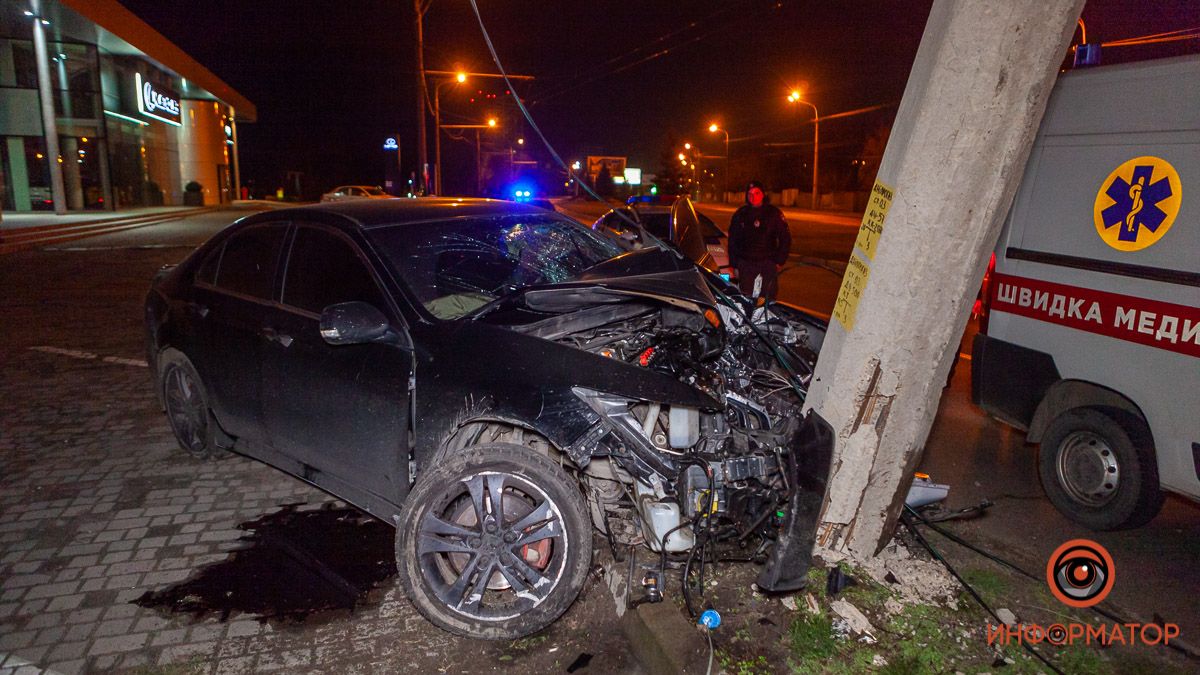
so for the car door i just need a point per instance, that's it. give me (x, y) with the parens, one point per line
(688, 236)
(341, 410)
(233, 290)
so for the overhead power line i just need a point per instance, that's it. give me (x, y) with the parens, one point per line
(598, 74)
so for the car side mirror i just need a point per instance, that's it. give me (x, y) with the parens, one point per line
(356, 323)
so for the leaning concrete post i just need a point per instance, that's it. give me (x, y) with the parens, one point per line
(971, 108)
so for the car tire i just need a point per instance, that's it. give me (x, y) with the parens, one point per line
(450, 528)
(186, 403)
(1098, 472)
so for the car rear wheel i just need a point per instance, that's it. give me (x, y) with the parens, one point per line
(186, 403)
(1098, 472)
(493, 542)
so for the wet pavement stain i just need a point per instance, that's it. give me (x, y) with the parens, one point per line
(296, 566)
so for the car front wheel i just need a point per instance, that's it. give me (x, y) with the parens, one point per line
(493, 542)
(1098, 472)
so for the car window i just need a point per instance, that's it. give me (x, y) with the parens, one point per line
(250, 259)
(375, 192)
(708, 228)
(207, 274)
(457, 266)
(324, 269)
(658, 224)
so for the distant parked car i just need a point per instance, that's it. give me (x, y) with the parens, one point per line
(676, 221)
(348, 192)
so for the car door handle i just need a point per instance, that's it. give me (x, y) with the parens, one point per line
(198, 308)
(275, 336)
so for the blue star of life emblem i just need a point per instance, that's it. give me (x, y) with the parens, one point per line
(1135, 203)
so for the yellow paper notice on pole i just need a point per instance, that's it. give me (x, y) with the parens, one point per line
(872, 222)
(854, 283)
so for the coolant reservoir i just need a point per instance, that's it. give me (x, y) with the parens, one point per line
(684, 427)
(664, 516)
(661, 518)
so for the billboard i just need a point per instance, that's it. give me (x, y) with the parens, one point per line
(616, 166)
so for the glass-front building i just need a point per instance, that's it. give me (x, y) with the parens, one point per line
(136, 119)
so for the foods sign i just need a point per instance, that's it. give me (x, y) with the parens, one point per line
(157, 102)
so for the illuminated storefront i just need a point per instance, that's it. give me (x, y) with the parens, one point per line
(135, 119)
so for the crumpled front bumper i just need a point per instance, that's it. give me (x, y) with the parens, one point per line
(808, 474)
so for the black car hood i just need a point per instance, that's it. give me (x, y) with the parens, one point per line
(648, 272)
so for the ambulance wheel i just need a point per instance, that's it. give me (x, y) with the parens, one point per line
(1099, 472)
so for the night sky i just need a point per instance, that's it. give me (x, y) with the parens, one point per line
(332, 80)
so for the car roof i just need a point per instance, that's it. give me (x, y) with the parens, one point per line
(379, 212)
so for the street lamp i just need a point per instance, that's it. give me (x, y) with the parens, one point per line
(459, 78)
(712, 129)
(491, 124)
(796, 97)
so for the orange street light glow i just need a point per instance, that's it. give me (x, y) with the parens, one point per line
(461, 77)
(492, 122)
(682, 157)
(713, 128)
(687, 146)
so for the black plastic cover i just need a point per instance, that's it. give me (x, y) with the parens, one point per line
(787, 567)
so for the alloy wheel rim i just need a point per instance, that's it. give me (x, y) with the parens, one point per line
(504, 564)
(1088, 469)
(186, 409)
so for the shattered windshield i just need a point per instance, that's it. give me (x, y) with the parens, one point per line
(455, 267)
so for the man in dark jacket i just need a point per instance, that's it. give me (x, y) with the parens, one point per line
(759, 243)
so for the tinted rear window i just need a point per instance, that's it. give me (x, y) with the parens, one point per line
(250, 259)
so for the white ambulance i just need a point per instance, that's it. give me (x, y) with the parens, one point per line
(1092, 338)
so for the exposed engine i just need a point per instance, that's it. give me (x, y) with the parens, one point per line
(687, 479)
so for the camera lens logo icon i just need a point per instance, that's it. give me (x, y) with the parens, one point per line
(1080, 573)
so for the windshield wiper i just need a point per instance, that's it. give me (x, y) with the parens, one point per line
(497, 303)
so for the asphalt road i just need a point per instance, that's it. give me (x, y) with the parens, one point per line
(85, 295)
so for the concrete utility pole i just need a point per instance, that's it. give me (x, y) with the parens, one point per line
(964, 130)
(420, 6)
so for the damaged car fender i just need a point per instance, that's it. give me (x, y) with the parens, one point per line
(530, 382)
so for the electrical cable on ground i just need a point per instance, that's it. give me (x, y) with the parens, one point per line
(708, 634)
(907, 520)
(1108, 614)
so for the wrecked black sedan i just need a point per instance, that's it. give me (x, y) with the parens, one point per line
(496, 381)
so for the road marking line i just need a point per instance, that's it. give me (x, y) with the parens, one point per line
(88, 356)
